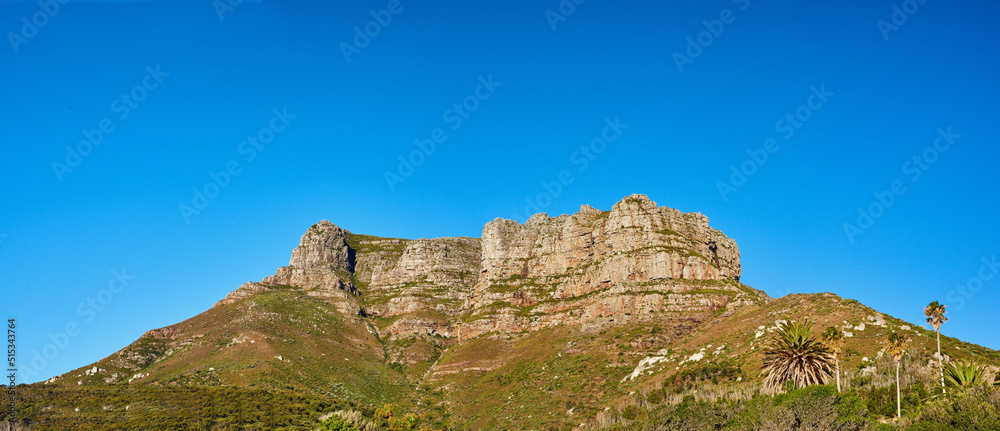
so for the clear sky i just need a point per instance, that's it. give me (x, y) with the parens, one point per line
(492, 103)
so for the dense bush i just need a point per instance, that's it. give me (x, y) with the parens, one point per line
(714, 372)
(823, 408)
(115, 407)
(337, 424)
(882, 401)
(973, 408)
(811, 408)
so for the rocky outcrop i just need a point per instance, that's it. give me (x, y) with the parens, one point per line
(636, 241)
(322, 260)
(592, 269)
(614, 266)
(321, 265)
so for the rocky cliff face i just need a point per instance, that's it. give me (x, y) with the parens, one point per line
(592, 269)
(595, 268)
(418, 289)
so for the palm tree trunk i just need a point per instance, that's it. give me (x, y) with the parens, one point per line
(838, 375)
(898, 408)
(940, 364)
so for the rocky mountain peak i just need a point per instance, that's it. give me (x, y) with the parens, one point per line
(322, 264)
(590, 268)
(324, 244)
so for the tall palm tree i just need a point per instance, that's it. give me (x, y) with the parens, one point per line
(896, 348)
(835, 341)
(795, 354)
(935, 317)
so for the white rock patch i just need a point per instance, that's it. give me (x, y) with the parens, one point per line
(644, 365)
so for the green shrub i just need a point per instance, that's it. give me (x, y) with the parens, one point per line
(813, 408)
(973, 408)
(686, 379)
(882, 401)
(52, 407)
(630, 412)
(655, 396)
(818, 407)
(336, 424)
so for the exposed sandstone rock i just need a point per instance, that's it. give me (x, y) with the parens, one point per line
(630, 262)
(425, 286)
(591, 269)
(323, 259)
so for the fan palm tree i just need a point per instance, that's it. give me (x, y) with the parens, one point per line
(835, 341)
(795, 354)
(935, 317)
(965, 374)
(896, 348)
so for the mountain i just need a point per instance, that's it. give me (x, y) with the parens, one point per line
(545, 324)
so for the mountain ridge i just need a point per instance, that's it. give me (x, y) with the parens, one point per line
(590, 307)
(637, 258)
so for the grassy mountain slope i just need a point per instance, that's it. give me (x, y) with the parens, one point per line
(554, 378)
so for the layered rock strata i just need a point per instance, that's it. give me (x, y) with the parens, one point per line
(592, 269)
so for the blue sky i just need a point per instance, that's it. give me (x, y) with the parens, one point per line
(184, 91)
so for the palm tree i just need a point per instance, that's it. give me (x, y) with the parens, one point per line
(794, 354)
(965, 374)
(935, 317)
(835, 340)
(896, 349)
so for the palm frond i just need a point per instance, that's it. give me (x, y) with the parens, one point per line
(795, 354)
(935, 314)
(965, 374)
(897, 345)
(834, 338)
